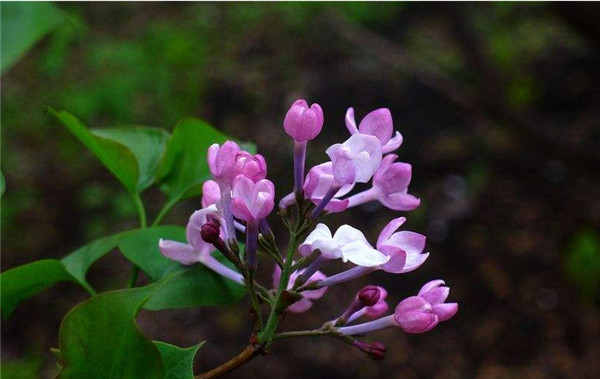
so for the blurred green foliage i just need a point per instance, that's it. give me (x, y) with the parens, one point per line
(583, 263)
(28, 367)
(23, 24)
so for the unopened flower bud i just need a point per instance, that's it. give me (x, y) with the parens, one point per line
(303, 123)
(369, 295)
(376, 351)
(210, 232)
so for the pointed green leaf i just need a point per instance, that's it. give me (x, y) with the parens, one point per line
(178, 362)
(78, 262)
(141, 248)
(22, 25)
(28, 280)
(119, 159)
(177, 286)
(100, 339)
(147, 145)
(193, 286)
(184, 167)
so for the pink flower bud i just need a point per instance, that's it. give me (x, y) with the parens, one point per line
(228, 161)
(421, 313)
(210, 232)
(375, 350)
(303, 123)
(222, 162)
(253, 167)
(369, 295)
(211, 194)
(414, 315)
(380, 307)
(252, 201)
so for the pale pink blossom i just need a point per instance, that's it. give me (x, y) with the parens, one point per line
(319, 181)
(196, 250)
(355, 160)
(404, 248)
(348, 243)
(378, 123)
(390, 186)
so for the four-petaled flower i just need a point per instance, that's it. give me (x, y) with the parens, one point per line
(348, 243)
(378, 123)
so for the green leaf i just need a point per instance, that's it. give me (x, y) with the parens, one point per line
(28, 367)
(193, 286)
(147, 145)
(78, 262)
(24, 281)
(23, 24)
(177, 286)
(184, 166)
(178, 362)
(141, 248)
(28, 280)
(100, 339)
(119, 159)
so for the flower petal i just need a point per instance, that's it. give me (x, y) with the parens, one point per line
(177, 251)
(363, 254)
(437, 295)
(389, 229)
(445, 311)
(378, 123)
(413, 262)
(347, 234)
(392, 144)
(350, 121)
(321, 232)
(430, 286)
(397, 260)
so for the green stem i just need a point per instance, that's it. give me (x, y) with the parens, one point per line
(140, 209)
(133, 277)
(254, 298)
(304, 333)
(267, 334)
(135, 269)
(164, 211)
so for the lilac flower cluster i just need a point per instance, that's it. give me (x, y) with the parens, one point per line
(240, 198)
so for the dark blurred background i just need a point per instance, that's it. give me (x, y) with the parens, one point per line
(499, 106)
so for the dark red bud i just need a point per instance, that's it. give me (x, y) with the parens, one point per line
(210, 232)
(369, 295)
(376, 351)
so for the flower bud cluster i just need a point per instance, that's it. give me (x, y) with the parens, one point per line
(241, 197)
